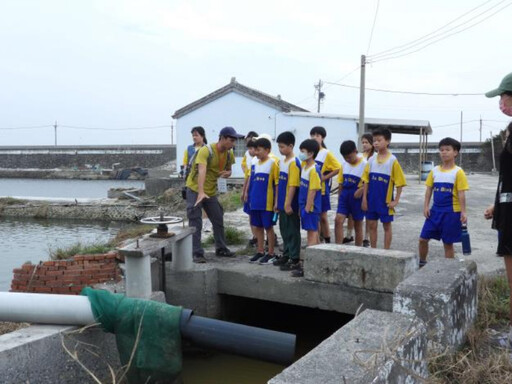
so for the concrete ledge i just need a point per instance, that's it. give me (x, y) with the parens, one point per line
(35, 355)
(196, 290)
(444, 295)
(157, 186)
(367, 268)
(375, 347)
(269, 283)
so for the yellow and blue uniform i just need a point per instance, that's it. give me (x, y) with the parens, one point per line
(382, 177)
(328, 163)
(289, 176)
(246, 162)
(249, 173)
(310, 180)
(265, 177)
(349, 180)
(444, 221)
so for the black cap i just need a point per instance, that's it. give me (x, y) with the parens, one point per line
(230, 132)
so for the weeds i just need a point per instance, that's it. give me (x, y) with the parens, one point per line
(234, 236)
(6, 327)
(479, 362)
(230, 200)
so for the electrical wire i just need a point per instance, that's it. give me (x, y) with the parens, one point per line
(439, 37)
(29, 127)
(112, 129)
(407, 92)
(419, 39)
(373, 26)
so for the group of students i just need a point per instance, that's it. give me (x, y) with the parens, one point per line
(296, 191)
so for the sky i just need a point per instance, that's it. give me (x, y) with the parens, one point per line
(114, 72)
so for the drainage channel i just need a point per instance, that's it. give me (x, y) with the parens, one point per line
(311, 326)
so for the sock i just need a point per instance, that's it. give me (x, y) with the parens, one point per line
(349, 233)
(327, 240)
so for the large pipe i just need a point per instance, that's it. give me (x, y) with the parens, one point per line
(257, 343)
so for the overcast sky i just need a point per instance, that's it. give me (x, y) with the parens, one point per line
(131, 64)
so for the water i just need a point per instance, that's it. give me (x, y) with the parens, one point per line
(30, 240)
(69, 189)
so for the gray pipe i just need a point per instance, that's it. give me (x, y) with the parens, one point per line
(256, 343)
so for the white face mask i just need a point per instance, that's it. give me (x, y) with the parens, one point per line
(303, 156)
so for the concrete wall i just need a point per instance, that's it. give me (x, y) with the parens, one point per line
(49, 157)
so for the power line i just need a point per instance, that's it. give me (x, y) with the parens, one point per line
(407, 92)
(27, 127)
(113, 129)
(381, 53)
(439, 37)
(373, 26)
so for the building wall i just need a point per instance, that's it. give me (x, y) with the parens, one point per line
(50, 157)
(245, 114)
(233, 109)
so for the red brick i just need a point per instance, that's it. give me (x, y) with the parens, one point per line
(50, 268)
(76, 289)
(28, 267)
(49, 263)
(61, 290)
(47, 278)
(19, 271)
(42, 289)
(75, 267)
(78, 258)
(55, 273)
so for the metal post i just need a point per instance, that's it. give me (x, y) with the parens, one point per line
(55, 130)
(492, 151)
(420, 150)
(361, 129)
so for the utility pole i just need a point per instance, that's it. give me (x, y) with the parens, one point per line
(361, 129)
(480, 128)
(55, 130)
(460, 154)
(492, 151)
(321, 95)
(172, 132)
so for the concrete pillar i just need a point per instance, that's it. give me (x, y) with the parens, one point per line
(138, 276)
(182, 259)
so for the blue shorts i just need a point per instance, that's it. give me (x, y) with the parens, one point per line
(384, 218)
(309, 220)
(444, 226)
(247, 208)
(326, 202)
(349, 205)
(261, 219)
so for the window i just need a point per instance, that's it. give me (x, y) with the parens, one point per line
(240, 148)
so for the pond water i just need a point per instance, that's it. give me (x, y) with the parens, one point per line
(31, 240)
(69, 189)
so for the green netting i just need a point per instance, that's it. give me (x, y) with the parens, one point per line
(157, 356)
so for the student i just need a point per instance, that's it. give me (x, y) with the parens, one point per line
(350, 192)
(367, 144)
(199, 140)
(381, 174)
(246, 160)
(287, 202)
(443, 221)
(262, 183)
(251, 159)
(329, 167)
(310, 194)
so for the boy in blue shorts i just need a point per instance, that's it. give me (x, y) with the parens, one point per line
(381, 174)
(287, 202)
(448, 183)
(310, 194)
(350, 192)
(249, 164)
(262, 183)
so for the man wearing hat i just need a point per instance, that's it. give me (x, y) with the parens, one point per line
(211, 163)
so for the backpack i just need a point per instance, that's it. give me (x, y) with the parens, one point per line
(191, 162)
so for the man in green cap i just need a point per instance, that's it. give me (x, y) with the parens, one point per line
(505, 93)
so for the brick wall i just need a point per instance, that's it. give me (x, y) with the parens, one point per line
(66, 276)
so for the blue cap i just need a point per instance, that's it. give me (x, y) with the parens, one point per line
(230, 132)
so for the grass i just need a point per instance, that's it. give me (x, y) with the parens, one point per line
(234, 236)
(5, 201)
(230, 200)
(6, 327)
(478, 362)
(98, 247)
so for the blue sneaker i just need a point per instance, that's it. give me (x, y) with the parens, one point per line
(256, 257)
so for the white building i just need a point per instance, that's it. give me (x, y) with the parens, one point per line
(247, 109)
